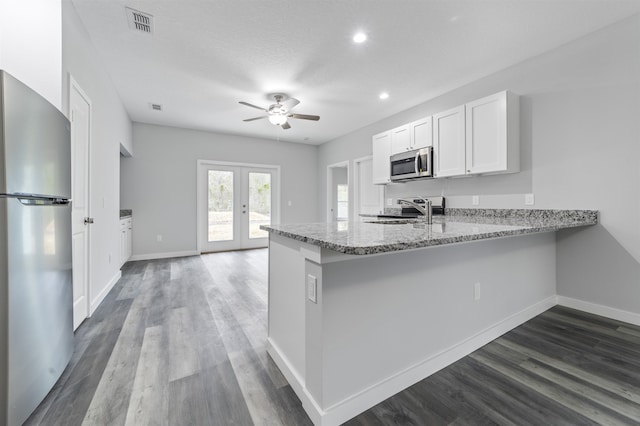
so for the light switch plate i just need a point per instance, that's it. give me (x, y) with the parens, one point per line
(475, 200)
(312, 288)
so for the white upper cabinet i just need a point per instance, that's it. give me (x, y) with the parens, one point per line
(480, 137)
(381, 154)
(449, 143)
(421, 133)
(400, 139)
(415, 135)
(492, 134)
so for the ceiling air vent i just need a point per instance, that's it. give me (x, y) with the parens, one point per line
(140, 21)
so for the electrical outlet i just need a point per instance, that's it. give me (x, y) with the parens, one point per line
(312, 288)
(475, 200)
(529, 200)
(476, 291)
(159, 238)
(389, 201)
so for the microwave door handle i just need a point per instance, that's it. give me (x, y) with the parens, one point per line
(416, 163)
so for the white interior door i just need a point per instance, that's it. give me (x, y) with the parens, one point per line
(80, 114)
(235, 202)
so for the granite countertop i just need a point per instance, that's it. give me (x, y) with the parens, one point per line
(457, 225)
(124, 213)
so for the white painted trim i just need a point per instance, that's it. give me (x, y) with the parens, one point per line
(98, 300)
(356, 404)
(164, 255)
(341, 164)
(602, 310)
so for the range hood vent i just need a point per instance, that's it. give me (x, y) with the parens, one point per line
(140, 21)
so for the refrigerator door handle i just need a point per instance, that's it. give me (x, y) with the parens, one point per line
(39, 201)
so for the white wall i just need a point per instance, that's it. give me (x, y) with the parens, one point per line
(580, 148)
(159, 182)
(31, 45)
(109, 127)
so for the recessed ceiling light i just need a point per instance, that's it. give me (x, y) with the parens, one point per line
(384, 95)
(359, 38)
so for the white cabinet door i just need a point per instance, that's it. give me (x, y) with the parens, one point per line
(129, 242)
(381, 152)
(123, 246)
(401, 139)
(492, 134)
(126, 248)
(449, 142)
(421, 133)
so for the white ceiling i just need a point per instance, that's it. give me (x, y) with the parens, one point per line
(207, 55)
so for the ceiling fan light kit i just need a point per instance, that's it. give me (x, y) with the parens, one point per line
(278, 113)
(278, 119)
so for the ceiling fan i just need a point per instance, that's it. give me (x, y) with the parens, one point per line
(279, 113)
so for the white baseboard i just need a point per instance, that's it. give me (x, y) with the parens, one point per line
(164, 255)
(103, 293)
(602, 310)
(367, 398)
(296, 382)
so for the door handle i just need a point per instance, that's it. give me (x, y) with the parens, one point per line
(88, 220)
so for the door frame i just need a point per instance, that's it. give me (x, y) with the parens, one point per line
(74, 86)
(330, 167)
(201, 190)
(356, 187)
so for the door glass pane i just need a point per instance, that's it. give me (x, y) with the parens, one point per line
(220, 227)
(259, 203)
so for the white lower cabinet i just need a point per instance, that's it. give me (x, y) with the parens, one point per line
(126, 241)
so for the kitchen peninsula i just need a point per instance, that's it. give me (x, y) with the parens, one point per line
(361, 310)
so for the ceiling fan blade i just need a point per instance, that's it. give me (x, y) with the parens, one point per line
(290, 103)
(305, 116)
(286, 125)
(252, 106)
(256, 118)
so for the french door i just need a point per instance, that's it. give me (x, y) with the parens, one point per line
(234, 200)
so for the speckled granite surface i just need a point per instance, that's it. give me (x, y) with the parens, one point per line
(125, 213)
(457, 225)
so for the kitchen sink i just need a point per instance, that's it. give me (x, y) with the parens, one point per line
(396, 221)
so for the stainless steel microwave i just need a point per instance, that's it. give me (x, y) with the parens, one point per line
(412, 165)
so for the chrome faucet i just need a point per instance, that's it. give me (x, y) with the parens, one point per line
(426, 211)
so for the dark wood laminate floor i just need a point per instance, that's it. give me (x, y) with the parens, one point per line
(182, 342)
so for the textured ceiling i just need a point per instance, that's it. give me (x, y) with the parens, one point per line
(205, 56)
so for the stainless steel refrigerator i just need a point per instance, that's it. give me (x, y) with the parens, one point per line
(36, 329)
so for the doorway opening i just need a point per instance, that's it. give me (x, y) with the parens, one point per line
(338, 204)
(368, 198)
